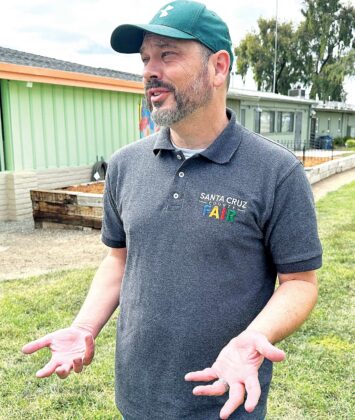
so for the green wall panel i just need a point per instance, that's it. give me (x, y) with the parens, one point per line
(59, 126)
(7, 126)
(251, 105)
(2, 149)
(328, 122)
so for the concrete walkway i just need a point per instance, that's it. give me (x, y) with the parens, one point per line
(321, 188)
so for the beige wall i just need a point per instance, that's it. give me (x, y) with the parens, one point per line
(15, 200)
(3, 196)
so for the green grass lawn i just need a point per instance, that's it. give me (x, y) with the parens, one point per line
(315, 382)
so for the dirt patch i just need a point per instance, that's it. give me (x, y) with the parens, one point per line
(92, 188)
(26, 251)
(313, 161)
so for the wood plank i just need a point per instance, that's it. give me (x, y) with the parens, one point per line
(53, 196)
(67, 197)
(68, 209)
(67, 219)
(93, 200)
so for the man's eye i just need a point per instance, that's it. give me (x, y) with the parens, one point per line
(167, 53)
(144, 60)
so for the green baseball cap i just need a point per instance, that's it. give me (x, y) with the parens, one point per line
(181, 19)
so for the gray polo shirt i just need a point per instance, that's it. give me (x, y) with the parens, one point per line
(205, 239)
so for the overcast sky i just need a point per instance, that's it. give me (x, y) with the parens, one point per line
(80, 30)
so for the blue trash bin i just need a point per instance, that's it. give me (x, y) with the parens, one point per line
(325, 142)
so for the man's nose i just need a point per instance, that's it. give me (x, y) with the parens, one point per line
(152, 70)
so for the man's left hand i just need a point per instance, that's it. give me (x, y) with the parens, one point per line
(236, 371)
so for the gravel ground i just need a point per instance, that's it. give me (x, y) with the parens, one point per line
(26, 251)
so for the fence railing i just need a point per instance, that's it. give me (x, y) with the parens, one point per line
(311, 153)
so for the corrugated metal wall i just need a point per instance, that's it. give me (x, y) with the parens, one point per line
(51, 126)
(2, 157)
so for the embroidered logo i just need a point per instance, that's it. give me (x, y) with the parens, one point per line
(165, 12)
(221, 207)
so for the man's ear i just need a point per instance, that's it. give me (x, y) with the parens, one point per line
(221, 62)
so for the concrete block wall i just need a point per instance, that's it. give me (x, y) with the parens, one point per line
(18, 197)
(327, 169)
(15, 200)
(3, 195)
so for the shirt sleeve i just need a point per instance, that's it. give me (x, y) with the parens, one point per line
(112, 232)
(291, 234)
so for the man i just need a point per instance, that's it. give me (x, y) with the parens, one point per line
(200, 219)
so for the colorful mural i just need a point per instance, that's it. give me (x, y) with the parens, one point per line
(146, 124)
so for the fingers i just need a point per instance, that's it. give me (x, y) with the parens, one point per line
(253, 389)
(37, 344)
(216, 389)
(48, 369)
(269, 351)
(63, 370)
(89, 349)
(236, 398)
(204, 375)
(78, 365)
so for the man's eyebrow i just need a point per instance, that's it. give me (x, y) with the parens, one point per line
(160, 45)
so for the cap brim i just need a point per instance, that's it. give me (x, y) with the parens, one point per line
(128, 38)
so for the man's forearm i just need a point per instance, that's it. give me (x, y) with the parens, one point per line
(103, 296)
(287, 309)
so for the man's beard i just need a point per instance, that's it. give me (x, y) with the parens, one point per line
(197, 94)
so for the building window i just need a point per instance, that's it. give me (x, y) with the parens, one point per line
(285, 122)
(242, 117)
(339, 124)
(328, 126)
(267, 122)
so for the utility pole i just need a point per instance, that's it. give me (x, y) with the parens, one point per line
(275, 59)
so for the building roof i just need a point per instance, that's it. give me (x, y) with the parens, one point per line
(333, 106)
(8, 55)
(22, 66)
(257, 95)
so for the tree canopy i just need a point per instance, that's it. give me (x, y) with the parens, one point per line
(318, 54)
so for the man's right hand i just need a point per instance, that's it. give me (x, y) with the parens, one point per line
(71, 348)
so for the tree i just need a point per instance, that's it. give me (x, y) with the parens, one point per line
(318, 54)
(326, 38)
(257, 51)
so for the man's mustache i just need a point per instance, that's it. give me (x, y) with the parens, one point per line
(158, 84)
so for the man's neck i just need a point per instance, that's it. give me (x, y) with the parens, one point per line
(200, 129)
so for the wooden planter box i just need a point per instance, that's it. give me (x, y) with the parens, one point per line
(67, 209)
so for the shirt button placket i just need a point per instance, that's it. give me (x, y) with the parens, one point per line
(179, 185)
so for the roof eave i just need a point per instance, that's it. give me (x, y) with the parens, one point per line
(341, 110)
(59, 77)
(236, 94)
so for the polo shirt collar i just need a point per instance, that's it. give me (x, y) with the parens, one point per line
(220, 151)
(162, 141)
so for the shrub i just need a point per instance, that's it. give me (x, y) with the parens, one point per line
(339, 141)
(350, 143)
